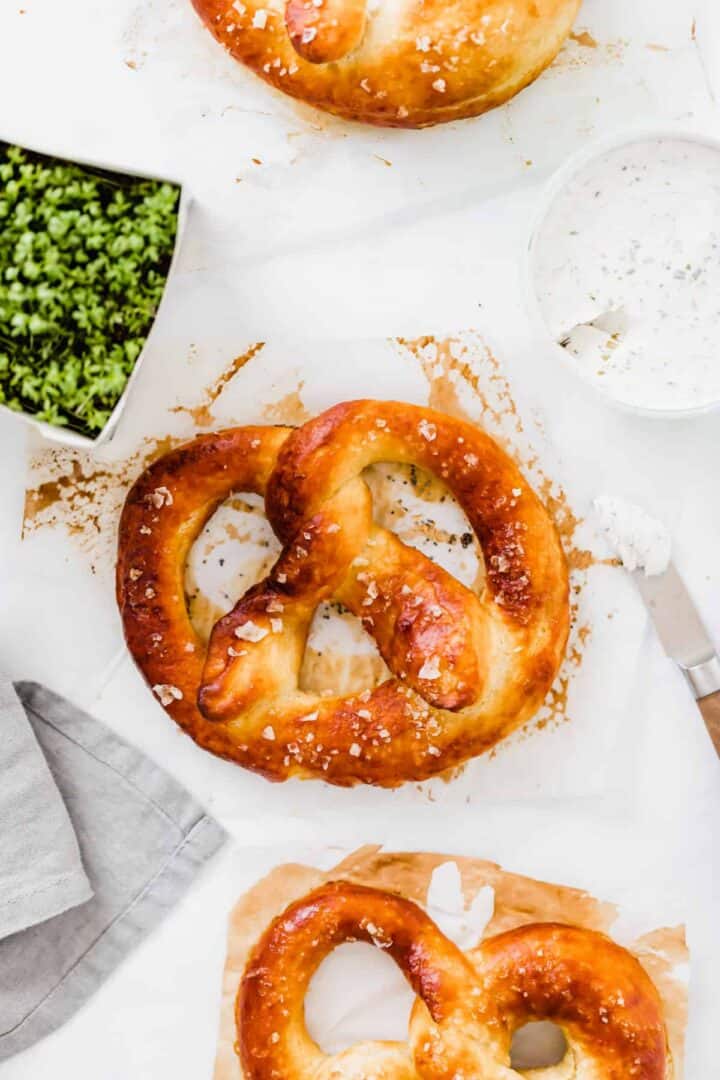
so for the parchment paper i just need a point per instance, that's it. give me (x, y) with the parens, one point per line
(359, 993)
(74, 502)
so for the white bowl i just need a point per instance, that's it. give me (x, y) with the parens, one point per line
(557, 183)
(66, 436)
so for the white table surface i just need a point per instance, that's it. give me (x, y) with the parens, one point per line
(323, 238)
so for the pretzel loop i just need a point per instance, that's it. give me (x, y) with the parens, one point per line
(466, 669)
(272, 1036)
(323, 31)
(405, 64)
(467, 1008)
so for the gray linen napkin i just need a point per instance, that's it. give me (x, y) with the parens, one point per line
(141, 838)
(41, 874)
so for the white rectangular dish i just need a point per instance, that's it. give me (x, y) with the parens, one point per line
(66, 436)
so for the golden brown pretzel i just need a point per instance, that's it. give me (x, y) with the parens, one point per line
(406, 64)
(468, 1007)
(467, 670)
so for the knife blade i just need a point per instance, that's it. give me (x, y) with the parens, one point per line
(678, 624)
(685, 640)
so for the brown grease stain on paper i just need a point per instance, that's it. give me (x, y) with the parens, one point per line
(83, 493)
(582, 49)
(448, 368)
(289, 409)
(202, 413)
(585, 38)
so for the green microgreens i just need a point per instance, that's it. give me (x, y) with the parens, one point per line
(84, 257)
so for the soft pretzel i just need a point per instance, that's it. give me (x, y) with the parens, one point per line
(407, 64)
(467, 670)
(469, 1006)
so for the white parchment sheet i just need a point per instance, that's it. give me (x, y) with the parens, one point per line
(569, 750)
(283, 248)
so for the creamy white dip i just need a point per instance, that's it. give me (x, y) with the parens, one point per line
(627, 272)
(640, 542)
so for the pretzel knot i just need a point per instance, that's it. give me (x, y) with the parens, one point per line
(468, 1007)
(466, 670)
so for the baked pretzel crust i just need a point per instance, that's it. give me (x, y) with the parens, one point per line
(408, 64)
(467, 670)
(468, 1007)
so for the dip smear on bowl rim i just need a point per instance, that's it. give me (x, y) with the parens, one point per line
(622, 273)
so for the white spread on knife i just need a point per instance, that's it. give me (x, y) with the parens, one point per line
(627, 272)
(641, 542)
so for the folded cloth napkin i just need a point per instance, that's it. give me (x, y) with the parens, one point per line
(96, 845)
(41, 873)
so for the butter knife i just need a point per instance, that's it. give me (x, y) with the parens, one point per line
(685, 640)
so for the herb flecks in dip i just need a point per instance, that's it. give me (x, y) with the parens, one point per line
(84, 257)
(627, 272)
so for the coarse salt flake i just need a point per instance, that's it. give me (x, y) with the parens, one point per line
(426, 429)
(430, 669)
(167, 693)
(160, 497)
(260, 19)
(269, 733)
(250, 631)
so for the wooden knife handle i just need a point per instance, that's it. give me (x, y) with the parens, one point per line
(710, 709)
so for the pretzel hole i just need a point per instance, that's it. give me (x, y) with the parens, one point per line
(538, 1045)
(236, 549)
(357, 994)
(340, 656)
(422, 511)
